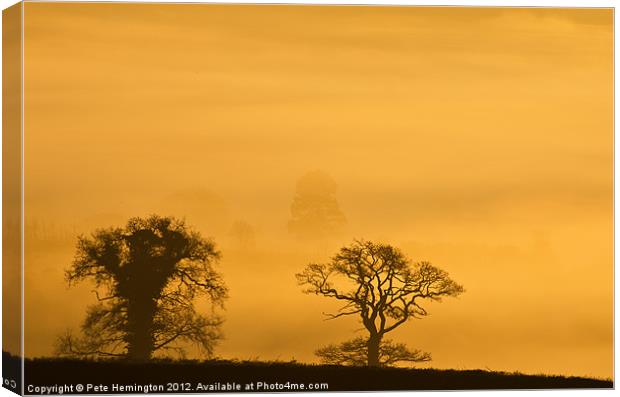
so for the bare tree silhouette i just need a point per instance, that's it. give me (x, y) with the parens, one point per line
(355, 353)
(377, 283)
(147, 276)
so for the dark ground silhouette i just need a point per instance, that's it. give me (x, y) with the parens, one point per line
(45, 372)
(11, 372)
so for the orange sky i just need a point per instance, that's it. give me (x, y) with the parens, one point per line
(479, 139)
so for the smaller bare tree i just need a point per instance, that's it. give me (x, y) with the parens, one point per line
(355, 353)
(377, 283)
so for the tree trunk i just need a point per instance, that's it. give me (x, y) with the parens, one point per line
(140, 343)
(374, 341)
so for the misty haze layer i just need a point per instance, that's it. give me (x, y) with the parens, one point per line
(477, 139)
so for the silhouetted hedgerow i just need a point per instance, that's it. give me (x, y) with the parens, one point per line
(46, 371)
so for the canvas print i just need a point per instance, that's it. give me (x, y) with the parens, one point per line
(292, 198)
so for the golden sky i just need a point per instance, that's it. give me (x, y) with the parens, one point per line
(479, 139)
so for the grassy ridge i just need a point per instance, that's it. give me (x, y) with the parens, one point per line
(46, 371)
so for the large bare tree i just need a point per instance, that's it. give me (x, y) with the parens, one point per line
(147, 276)
(377, 283)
